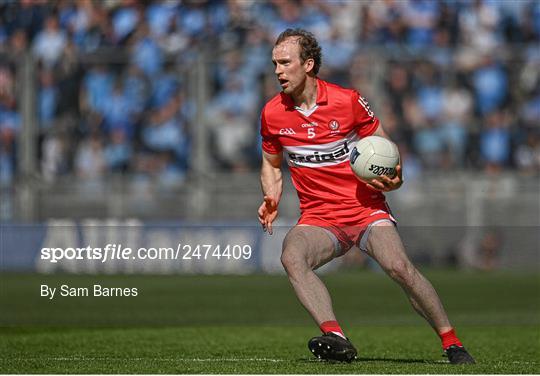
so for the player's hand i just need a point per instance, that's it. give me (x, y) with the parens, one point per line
(385, 183)
(267, 213)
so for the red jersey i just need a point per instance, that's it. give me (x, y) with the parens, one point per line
(316, 145)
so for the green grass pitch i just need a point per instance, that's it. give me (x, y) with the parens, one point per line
(253, 324)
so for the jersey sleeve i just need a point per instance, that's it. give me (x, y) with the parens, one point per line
(365, 120)
(270, 142)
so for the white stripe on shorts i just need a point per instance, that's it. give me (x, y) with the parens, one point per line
(362, 244)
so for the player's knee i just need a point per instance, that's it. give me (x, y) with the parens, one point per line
(292, 261)
(402, 271)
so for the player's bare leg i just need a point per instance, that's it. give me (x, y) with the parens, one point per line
(305, 248)
(384, 246)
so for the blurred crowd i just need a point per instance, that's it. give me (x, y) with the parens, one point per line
(455, 82)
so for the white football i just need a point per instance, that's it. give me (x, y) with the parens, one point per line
(373, 157)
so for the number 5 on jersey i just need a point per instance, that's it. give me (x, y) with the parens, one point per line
(310, 133)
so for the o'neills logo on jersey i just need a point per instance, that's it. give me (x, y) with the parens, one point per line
(363, 101)
(320, 155)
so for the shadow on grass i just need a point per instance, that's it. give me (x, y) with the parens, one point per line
(394, 360)
(390, 360)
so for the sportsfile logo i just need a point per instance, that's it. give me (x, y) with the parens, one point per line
(317, 157)
(287, 131)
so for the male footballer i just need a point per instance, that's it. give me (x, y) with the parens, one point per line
(313, 124)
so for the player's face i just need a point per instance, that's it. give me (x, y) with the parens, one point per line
(290, 71)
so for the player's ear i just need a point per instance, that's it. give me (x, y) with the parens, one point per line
(308, 65)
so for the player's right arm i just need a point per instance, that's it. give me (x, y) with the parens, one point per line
(272, 187)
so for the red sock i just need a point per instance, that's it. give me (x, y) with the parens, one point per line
(331, 326)
(449, 338)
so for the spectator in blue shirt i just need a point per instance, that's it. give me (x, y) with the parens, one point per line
(490, 86)
(495, 141)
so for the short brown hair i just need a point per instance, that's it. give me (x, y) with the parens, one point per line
(309, 47)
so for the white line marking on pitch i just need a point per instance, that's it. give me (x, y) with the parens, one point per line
(76, 359)
(270, 360)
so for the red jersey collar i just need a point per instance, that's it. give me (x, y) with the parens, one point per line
(322, 95)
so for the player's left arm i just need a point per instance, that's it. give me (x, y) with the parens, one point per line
(369, 125)
(385, 183)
